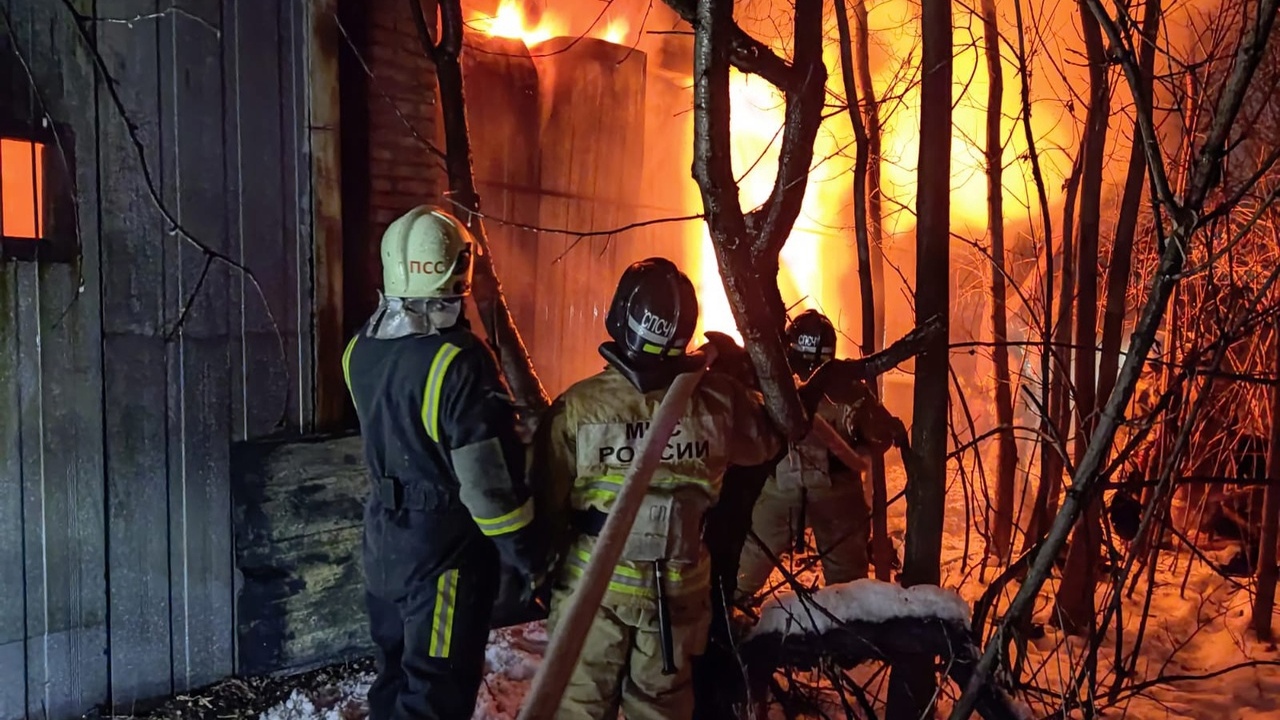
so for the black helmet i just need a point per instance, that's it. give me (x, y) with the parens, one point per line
(811, 341)
(654, 310)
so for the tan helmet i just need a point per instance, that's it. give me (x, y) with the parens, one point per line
(426, 253)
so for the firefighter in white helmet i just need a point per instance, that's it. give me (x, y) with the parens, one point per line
(448, 494)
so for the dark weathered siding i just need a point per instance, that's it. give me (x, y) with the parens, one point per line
(116, 424)
(53, 609)
(298, 522)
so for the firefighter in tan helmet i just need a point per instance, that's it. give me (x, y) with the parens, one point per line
(811, 487)
(637, 657)
(448, 496)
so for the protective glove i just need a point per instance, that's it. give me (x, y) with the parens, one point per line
(732, 359)
(537, 592)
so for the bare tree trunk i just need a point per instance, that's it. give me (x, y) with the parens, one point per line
(491, 304)
(1040, 506)
(1183, 213)
(1264, 601)
(1126, 226)
(871, 121)
(911, 685)
(1075, 609)
(747, 244)
(1007, 447)
(1057, 421)
(881, 545)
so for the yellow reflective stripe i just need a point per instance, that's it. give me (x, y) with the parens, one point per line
(618, 586)
(431, 393)
(509, 523)
(609, 486)
(654, 349)
(634, 581)
(346, 361)
(442, 616)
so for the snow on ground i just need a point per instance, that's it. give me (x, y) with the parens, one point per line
(1199, 631)
(864, 600)
(510, 662)
(344, 701)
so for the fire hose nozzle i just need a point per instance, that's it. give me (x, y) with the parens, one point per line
(664, 620)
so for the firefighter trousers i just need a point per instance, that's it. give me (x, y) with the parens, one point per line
(430, 649)
(429, 600)
(841, 522)
(621, 661)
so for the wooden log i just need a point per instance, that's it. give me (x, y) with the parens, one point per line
(566, 643)
(855, 642)
(592, 137)
(298, 515)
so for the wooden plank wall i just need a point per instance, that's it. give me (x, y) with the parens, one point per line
(503, 104)
(53, 608)
(115, 428)
(585, 166)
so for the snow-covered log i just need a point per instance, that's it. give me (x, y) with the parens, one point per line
(868, 620)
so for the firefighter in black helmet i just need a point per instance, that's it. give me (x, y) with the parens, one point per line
(448, 495)
(631, 658)
(811, 487)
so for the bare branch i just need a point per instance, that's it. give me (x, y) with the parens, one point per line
(745, 52)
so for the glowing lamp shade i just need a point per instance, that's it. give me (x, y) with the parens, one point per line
(22, 199)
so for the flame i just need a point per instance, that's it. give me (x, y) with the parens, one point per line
(616, 31)
(510, 22)
(817, 262)
(816, 254)
(898, 22)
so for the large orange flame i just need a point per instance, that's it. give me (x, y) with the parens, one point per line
(816, 256)
(818, 260)
(510, 22)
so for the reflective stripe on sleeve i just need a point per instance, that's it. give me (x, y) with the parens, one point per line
(435, 384)
(442, 616)
(509, 523)
(346, 361)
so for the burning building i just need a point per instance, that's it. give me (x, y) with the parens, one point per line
(190, 205)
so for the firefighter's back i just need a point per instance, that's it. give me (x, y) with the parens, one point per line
(416, 525)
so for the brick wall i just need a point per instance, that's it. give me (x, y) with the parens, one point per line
(386, 168)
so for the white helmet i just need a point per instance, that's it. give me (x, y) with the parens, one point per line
(426, 253)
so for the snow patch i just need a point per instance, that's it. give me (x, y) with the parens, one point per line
(344, 701)
(865, 600)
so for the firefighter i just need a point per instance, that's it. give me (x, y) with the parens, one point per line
(448, 496)
(655, 614)
(813, 488)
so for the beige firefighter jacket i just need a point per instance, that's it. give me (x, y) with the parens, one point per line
(859, 418)
(591, 436)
